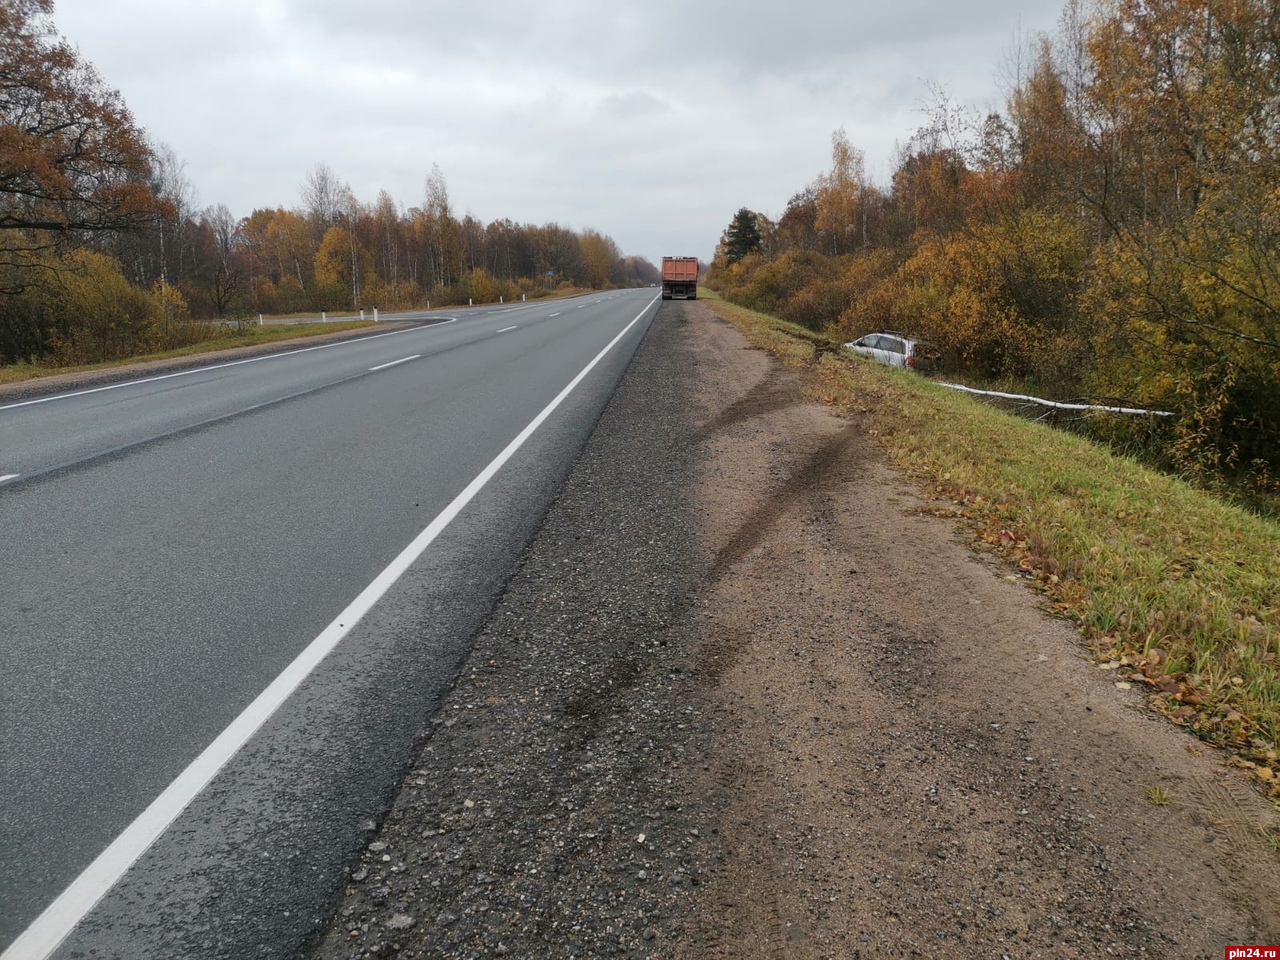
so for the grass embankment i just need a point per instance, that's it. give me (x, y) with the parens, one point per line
(1176, 591)
(224, 339)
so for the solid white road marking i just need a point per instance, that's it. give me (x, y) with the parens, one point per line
(49, 929)
(217, 366)
(416, 356)
(505, 329)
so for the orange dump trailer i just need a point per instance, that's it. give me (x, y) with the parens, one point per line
(680, 277)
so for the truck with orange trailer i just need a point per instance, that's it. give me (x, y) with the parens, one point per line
(680, 278)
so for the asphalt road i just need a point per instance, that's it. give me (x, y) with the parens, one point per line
(169, 546)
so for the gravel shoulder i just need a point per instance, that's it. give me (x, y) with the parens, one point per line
(745, 697)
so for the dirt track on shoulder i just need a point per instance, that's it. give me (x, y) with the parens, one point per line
(914, 759)
(747, 698)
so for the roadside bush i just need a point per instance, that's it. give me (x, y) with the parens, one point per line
(819, 303)
(801, 285)
(480, 286)
(1005, 299)
(173, 327)
(26, 334)
(89, 313)
(97, 314)
(874, 301)
(404, 296)
(1191, 334)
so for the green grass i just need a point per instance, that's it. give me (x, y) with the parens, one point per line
(225, 338)
(1180, 588)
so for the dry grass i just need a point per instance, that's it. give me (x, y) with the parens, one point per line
(1174, 589)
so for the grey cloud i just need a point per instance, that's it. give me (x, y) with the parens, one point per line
(743, 38)
(633, 104)
(651, 122)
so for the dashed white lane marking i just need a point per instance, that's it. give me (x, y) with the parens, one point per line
(416, 356)
(220, 366)
(549, 316)
(49, 929)
(506, 329)
(6, 477)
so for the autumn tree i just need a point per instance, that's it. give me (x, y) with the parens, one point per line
(840, 197)
(388, 242)
(558, 254)
(599, 258)
(502, 240)
(223, 274)
(353, 214)
(324, 197)
(277, 244)
(798, 225)
(439, 233)
(639, 272)
(337, 268)
(166, 250)
(72, 160)
(1185, 93)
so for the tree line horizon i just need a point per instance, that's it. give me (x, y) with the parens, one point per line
(1112, 232)
(105, 255)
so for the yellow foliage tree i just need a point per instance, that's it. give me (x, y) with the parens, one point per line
(599, 255)
(340, 266)
(841, 197)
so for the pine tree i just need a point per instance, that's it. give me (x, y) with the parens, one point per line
(742, 236)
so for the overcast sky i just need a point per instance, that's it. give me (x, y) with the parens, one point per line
(651, 122)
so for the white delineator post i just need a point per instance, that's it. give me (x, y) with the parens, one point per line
(375, 315)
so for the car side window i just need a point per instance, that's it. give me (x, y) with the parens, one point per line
(893, 344)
